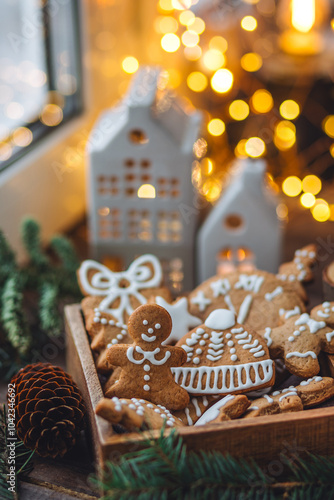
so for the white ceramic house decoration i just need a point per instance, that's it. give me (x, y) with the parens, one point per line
(243, 223)
(139, 178)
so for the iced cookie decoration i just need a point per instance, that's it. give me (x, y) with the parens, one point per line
(228, 408)
(195, 409)
(308, 393)
(146, 364)
(224, 357)
(300, 268)
(113, 296)
(255, 297)
(135, 414)
(182, 320)
(302, 337)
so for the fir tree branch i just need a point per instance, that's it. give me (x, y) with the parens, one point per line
(163, 469)
(13, 317)
(7, 259)
(30, 232)
(65, 252)
(49, 314)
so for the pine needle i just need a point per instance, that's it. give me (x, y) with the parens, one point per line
(164, 469)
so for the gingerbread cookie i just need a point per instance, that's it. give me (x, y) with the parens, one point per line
(301, 338)
(135, 414)
(223, 357)
(182, 320)
(113, 296)
(195, 409)
(255, 297)
(308, 393)
(300, 268)
(228, 408)
(146, 364)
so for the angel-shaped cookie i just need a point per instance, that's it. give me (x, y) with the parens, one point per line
(113, 296)
(301, 338)
(146, 364)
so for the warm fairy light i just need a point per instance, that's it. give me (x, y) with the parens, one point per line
(200, 147)
(190, 38)
(51, 115)
(321, 211)
(130, 64)
(181, 4)
(197, 81)
(239, 110)
(197, 25)
(211, 190)
(222, 81)
(332, 24)
(249, 23)
(255, 147)
(166, 5)
(251, 62)
(216, 127)
(328, 125)
(166, 24)
(22, 137)
(331, 208)
(192, 53)
(186, 17)
(251, 2)
(303, 14)
(282, 211)
(331, 150)
(207, 166)
(219, 43)
(213, 59)
(307, 200)
(261, 101)
(5, 151)
(285, 135)
(292, 186)
(240, 151)
(103, 211)
(170, 42)
(289, 109)
(146, 191)
(312, 184)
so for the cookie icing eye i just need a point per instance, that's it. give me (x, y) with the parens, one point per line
(157, 326)
(150, 330)
(145, 322)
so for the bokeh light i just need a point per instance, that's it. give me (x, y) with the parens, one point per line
(166, 24)
(170, 42)
(22, 137)
(251, 62)
(186, 17)
(51, 115)
(213, 59)
(197, 81)
(192, 53)
(130, 64)
(5, 151)
(289, 109)
(190, 38)
(249, 23)
(255, 147)
(219, 43)
(328, 125)
(312, 184)
(292, 186)
(307, 200)
(222, 81)
(285, 135)
(262, 101)
(321, 211)
(197, 25)
(216, 127)
(238, 110)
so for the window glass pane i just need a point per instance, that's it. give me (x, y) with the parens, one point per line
(39, 71)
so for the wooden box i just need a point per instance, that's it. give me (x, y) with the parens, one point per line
(263, 438)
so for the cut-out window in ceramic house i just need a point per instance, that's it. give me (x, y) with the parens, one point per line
(231, 259)
(142, 168)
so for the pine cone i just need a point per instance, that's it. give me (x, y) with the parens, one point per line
(49, 409)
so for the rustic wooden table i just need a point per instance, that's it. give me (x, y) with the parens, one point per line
(69, 478)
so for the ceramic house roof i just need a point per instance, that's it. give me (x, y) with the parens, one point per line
(148, 90)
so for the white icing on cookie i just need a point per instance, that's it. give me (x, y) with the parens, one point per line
(301, 354)
(182, 320)
(213, 412)
(147, 355)
(220, 287)
(266, 335)
(244, 308)
(270, 296)
(201, 301)
(329, 336)
(148, 339)
(313, 325)
(220, 319)
(250, 283)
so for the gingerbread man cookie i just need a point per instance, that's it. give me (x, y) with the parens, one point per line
(134, 414)
(146, 364)
(301, 338)
(113, 296)
(254, 296)
(223, 357)
(300, 268)
(308, 393)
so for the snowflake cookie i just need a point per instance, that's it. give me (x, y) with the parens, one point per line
(301, 338)
(224, 357)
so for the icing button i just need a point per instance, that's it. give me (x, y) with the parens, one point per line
(147, 368)
(146, 387)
